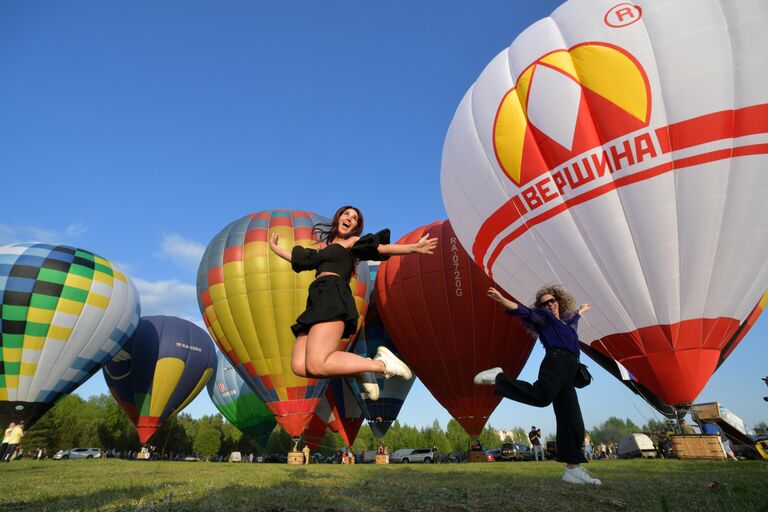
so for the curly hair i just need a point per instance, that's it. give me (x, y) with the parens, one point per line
(565, 300)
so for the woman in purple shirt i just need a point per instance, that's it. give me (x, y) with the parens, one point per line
(555, 383)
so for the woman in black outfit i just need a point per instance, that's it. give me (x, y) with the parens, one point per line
(331, 313)
(555, 383)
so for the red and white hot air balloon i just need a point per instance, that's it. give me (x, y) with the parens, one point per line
(621, 150)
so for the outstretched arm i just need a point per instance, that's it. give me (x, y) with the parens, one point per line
(494, 294)
(516, 309)
(425, 245)
(283, 253)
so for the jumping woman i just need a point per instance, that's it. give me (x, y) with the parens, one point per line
(554, 318)
(331, 314)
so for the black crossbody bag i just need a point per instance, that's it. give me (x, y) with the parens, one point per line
(583, 378)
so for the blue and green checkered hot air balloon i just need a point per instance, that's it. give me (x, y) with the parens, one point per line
(65, 312)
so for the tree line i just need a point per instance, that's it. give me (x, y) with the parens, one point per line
(100, 422)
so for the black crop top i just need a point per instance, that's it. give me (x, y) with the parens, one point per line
(337, 259)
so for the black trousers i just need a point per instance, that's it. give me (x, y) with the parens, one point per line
(554, 386)
(8, 453)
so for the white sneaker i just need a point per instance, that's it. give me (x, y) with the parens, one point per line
(579, 475)
(393, 366)
(488, 377)
(369, 385)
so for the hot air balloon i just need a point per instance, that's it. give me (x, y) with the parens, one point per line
(249, 298)
(620, 150)
(239, 403)
(436, 309)
(160, 370)
(382, 412)
(65, 311)
(315, 432)
(340, 410)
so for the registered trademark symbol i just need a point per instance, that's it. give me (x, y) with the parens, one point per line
(622, 14)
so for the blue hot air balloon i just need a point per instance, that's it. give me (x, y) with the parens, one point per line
(160, 370)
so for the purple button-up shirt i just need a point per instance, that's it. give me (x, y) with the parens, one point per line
(553, 332)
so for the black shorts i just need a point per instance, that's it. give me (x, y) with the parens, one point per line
(330, 298)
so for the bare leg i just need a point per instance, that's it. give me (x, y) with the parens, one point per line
(324, 359)
(299, 356)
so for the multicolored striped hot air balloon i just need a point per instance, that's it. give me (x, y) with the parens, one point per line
(250, 297)
(65, 311)
(382, 412)
(239, 403)
(436, 308)
(621, 150)
(160, 370)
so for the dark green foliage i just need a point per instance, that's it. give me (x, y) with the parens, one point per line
(613, 429)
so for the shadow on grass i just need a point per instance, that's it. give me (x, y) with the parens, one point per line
(119, 496)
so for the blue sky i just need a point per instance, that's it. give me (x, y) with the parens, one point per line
(138, 130)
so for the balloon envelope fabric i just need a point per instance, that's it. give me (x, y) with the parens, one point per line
(160, 370)
(392, 392)
(239, 403)
(436, 308)
(249, 298)
(65, 311)
(340, 410)
(621, 150)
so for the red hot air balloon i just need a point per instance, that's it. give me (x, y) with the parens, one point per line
(436, 309)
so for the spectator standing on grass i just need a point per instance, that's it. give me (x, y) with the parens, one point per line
(602, 450)
(13, 441)
(587, 446)
(6, 439)
(305, 451)
(534, 436)
(554, 317)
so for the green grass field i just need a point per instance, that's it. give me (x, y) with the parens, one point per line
(174, 486)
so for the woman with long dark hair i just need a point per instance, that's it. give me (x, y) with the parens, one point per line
(331, 314)
(554, 317)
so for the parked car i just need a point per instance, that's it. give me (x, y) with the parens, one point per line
(514, 451)
(78, 453)
(409, 455)
(492, 455)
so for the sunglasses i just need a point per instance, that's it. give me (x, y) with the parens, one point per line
(548, 302)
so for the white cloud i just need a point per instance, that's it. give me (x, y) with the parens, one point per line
(11, 234)
(183, 252)
(170, 297)
(75, 230)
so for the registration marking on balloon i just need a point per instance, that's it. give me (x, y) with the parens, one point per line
(601, 141)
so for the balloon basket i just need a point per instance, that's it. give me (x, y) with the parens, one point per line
(698, 447)
(295, 458)
(476, 456)
(382, 459)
